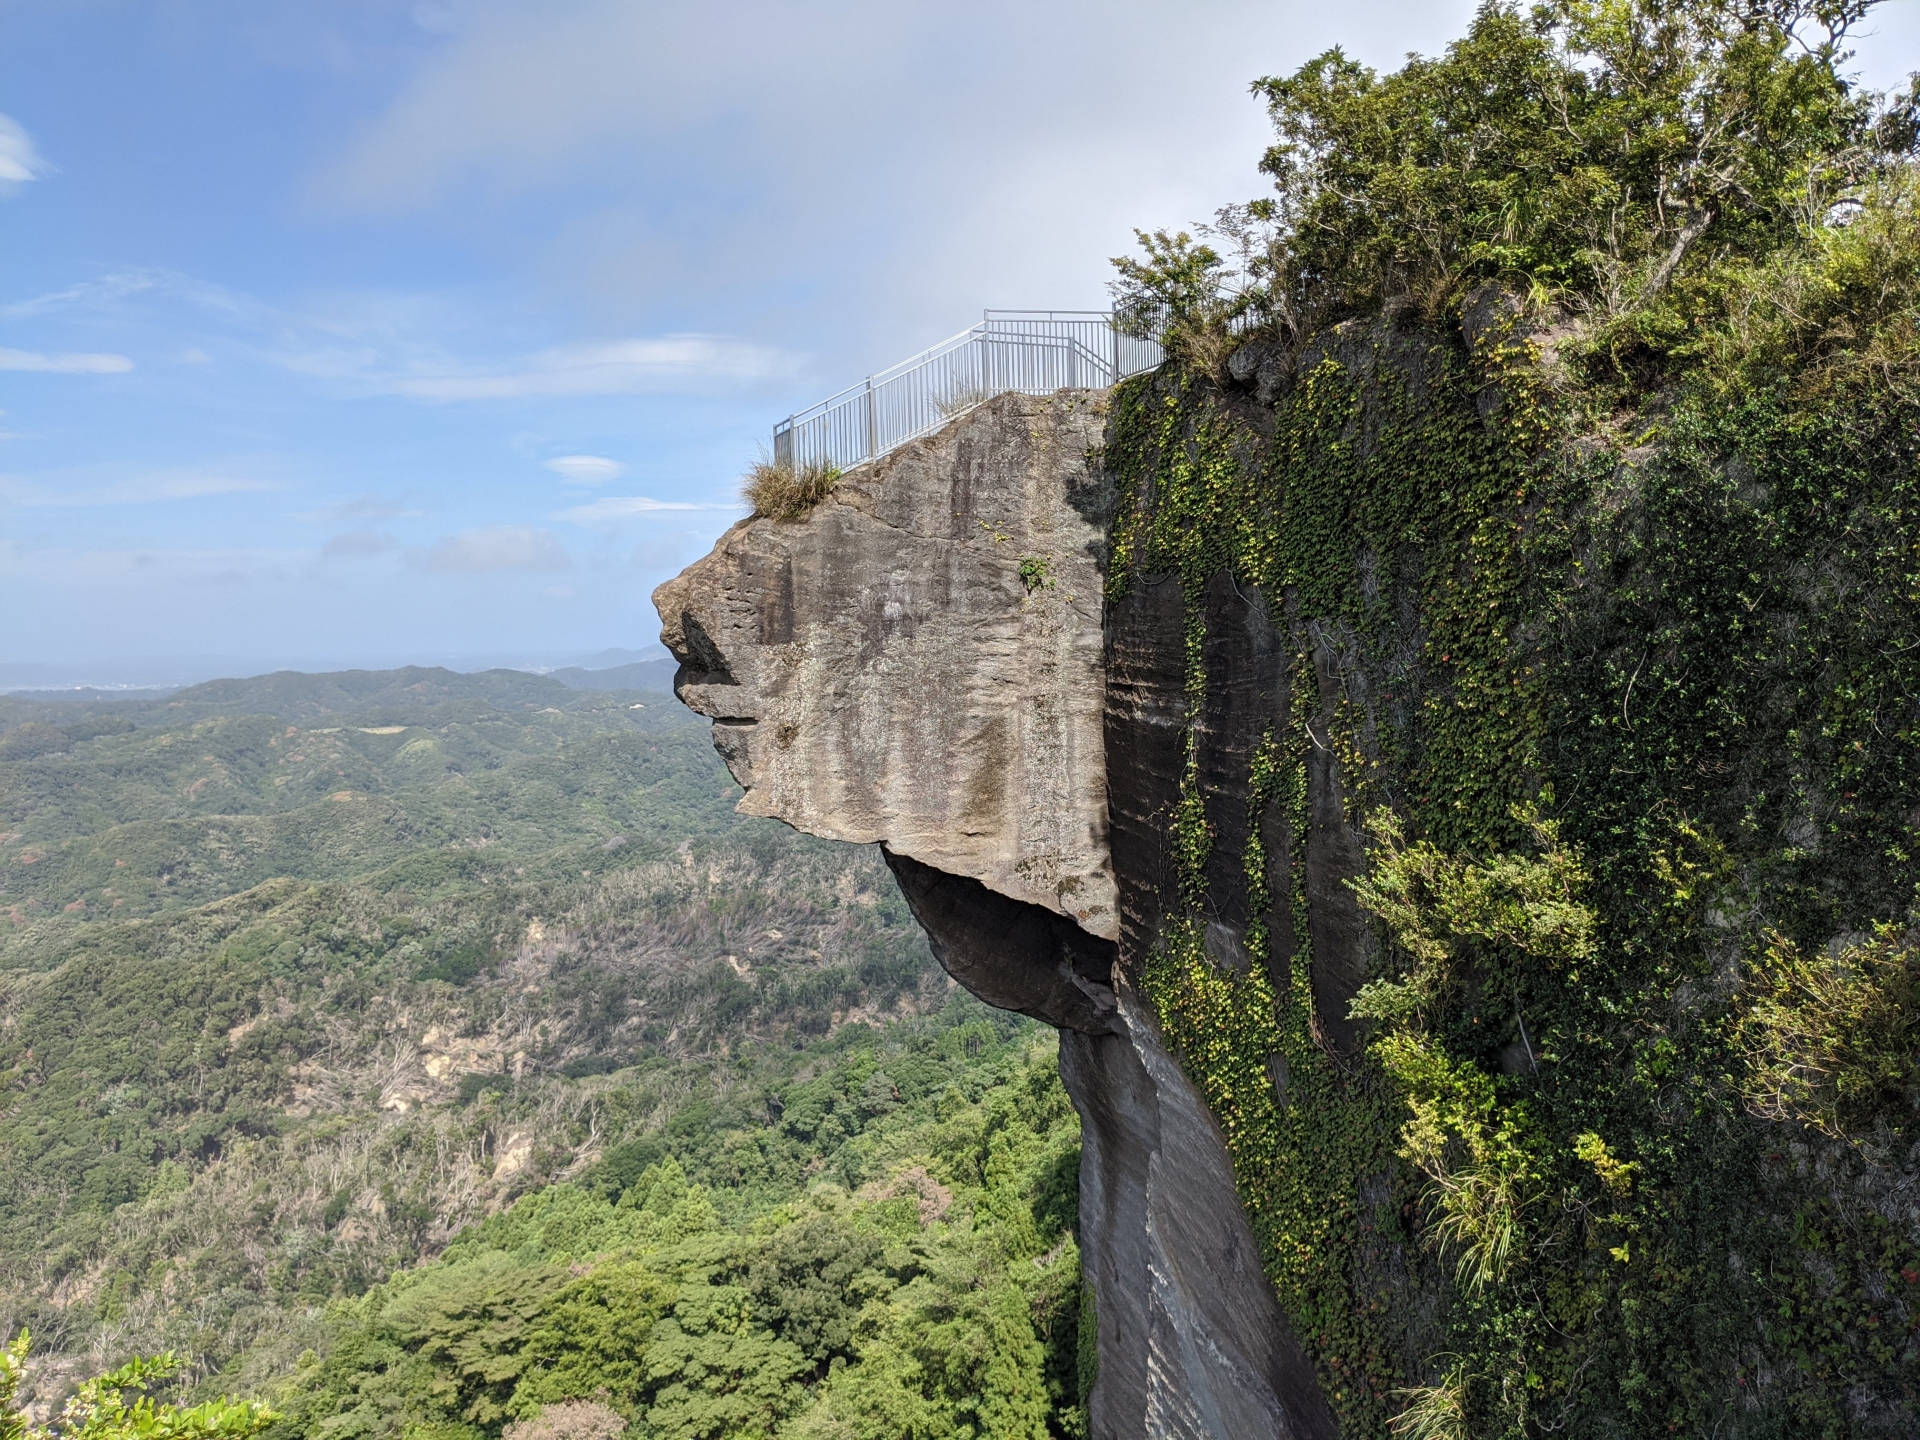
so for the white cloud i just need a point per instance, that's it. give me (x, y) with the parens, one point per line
(496, 548)
(585, 469)
(426, 346)
(19, 161)
(627, 507)
(613, 367)
(694, 160)
(67, 364)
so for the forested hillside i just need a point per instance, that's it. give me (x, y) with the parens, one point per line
(303, 977)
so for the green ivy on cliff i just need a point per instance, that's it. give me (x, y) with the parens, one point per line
(1609, 617)
(1369, 483)
(1621, 1164)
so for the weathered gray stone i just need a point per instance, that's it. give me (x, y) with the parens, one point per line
(1264, 364)
(1010, 953)
(881, 671)
(1192, 1343)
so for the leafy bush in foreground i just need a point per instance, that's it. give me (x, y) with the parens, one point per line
(100, 1410)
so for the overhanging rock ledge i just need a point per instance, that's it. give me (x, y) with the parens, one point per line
(920, 662)
(881, 670)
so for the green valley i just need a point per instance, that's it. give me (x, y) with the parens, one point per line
(432, 1054)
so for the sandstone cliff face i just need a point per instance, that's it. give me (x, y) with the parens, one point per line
(880, 671)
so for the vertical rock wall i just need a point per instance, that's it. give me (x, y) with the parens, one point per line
(884, 671)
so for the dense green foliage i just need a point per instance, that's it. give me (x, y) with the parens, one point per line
(1584, 148)
(1618, 157)
(1582, 484)
(912, 1275)
(306, 977)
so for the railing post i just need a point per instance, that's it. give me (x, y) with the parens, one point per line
(873, 433)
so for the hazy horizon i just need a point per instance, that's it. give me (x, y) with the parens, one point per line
(138, 673)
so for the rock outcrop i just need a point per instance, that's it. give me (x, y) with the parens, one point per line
(918, 660)
(1192, 1342)
(923, 662)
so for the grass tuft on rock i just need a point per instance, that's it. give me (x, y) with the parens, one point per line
(784, 492)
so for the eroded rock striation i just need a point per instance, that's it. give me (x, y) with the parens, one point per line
(922, 661)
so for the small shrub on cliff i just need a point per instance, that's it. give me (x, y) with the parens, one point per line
(1830, 1038)
(1183, 293)
(1036, 572)
(1834, 314)
(963, 400)
(784, 492)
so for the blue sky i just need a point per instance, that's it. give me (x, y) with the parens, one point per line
(360, 331)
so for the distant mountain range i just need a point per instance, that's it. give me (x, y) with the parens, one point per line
(642, 675)
(152, 678)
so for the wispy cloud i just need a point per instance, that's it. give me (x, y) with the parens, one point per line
(68, 568)
(118, 285)
(59, 491)
(361, 507)
(496, 548)
(19, 160)
(422, 345)
(70, 363)
(585, 469)
(357, 542)
(627, 507)
(612, 367)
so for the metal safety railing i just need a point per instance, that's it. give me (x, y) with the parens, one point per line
(1032, 351)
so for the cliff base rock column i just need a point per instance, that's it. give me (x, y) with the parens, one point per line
(1192, 1342)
